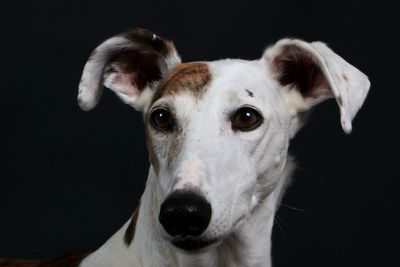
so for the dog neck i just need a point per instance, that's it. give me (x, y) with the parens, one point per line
(248, 245)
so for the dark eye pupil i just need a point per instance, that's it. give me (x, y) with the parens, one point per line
(246, 116)
(162, 116)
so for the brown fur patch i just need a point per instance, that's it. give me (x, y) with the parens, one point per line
(19, 263)
(141, 68)
(191, 77)
(344, 76)
(130, 231)
(150, 41)
(139, 62)
(71, 260)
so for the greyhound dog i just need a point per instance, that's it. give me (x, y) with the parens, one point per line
(217, 135)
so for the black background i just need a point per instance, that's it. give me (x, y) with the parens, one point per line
(70, 179)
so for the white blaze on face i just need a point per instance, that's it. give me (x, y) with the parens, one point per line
(189, 174)
(245, 160)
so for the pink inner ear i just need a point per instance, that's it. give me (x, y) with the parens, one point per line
(126, 84)
(296, 66)
(133, 71)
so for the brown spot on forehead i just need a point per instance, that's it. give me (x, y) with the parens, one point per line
(189, 77)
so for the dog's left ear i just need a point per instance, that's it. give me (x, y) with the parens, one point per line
(312, 72)
(130, 64)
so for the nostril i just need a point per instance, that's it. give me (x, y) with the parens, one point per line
(185, 213)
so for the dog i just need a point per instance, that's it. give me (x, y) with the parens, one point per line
(217, 135)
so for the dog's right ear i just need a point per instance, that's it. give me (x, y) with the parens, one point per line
(312, 73)
(130, 64)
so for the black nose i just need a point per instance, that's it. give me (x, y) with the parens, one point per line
(185, 213)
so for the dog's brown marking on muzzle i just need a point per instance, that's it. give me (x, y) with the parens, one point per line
(130, 231)
(188, 77)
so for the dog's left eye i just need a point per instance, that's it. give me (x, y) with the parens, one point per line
(161, 119)
(246, 119)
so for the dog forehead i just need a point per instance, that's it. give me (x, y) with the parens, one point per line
(191, 78)
(239, 75)
(242, 82)
(198, 78)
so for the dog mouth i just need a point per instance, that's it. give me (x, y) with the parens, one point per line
(192, 244)
(195, 244)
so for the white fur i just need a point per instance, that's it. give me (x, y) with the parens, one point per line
(90, 88)
(242, 174)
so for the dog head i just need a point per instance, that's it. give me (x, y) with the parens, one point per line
(218, 132)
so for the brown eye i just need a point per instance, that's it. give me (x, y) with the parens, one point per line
(246, 119)
(161, 119)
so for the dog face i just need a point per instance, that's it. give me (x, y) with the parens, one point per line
(215, 134)
(218, 132)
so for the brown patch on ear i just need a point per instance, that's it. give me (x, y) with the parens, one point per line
(191, 77)
(130, 231)
(295, 66)
(140, 64)
(142, 61)
(70, 260)
(344, 76)
(148, 39)
(139, 67)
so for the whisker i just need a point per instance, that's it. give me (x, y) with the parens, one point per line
(311, 173)
(293, 208)
(280, 219)
(282, 231)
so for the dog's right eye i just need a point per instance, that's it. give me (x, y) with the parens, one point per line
(246, 119)
(161, 119)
